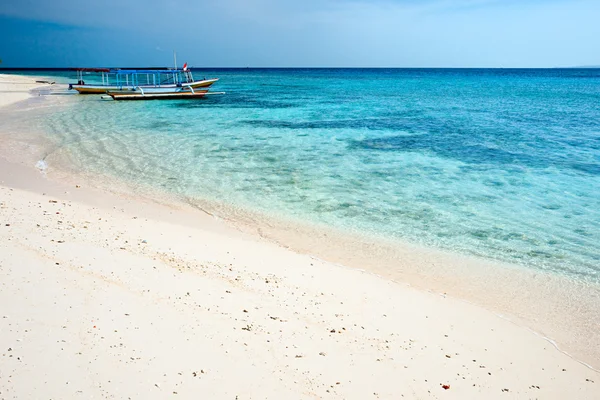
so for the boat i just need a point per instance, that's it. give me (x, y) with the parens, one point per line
(157, 93)
(153, 93)
(117, 80)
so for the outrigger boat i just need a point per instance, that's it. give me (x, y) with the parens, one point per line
(160, 94)
(119, 80)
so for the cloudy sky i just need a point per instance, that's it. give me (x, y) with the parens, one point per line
(300, 33)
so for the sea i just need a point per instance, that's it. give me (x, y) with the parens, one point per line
(502, 164)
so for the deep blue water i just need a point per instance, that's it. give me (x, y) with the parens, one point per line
(503, 164)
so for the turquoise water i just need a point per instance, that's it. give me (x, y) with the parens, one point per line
(503, 164)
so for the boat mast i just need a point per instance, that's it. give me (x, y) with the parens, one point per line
(175, 62)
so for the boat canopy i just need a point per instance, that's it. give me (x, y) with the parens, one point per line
(147, 71)
(131, 71)
(152, 77)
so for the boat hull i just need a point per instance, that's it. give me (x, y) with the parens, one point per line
(102, 89)
(157, 95)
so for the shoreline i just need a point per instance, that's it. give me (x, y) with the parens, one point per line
(125, 248)
(555, 308)
(559, 308)
(436, 279)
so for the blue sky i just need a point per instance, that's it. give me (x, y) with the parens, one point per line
(302, 33)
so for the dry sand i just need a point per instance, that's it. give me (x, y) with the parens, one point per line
(104, 296)
(15, 88)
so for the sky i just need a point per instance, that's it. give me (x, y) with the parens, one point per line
(300, 33)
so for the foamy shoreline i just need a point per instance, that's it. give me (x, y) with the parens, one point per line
(138, 299)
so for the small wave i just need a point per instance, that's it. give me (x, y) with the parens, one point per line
(42, 166)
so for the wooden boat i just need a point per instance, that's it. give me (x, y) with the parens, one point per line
(116, 80)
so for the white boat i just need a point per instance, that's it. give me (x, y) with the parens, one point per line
(154, 93)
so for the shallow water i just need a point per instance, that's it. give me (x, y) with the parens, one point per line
(503, 164)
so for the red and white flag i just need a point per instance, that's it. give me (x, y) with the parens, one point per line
(185, 67)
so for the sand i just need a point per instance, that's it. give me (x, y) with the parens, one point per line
(15, 88)
(107, 296)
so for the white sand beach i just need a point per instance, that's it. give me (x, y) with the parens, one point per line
(117, 297)
(15, 88)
